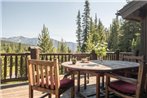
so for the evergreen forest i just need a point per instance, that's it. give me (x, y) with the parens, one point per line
(91, 35)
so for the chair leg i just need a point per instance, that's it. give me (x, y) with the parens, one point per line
(88, 75)
(49, 95)
(57, 96)
(107, 84)
(73, 87)
(98, 86)
(107, 94)
(85, 82)
(30, 92)
(73, 92)
(78, 81)
(103, 82)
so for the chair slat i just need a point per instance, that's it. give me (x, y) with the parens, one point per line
(33, 75)
(47, 76)
(38, 75)
(51, 78)
(42, 76)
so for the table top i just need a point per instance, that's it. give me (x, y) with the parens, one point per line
(97, 65)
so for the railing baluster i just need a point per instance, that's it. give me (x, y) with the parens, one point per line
(54, 56)
(68, 57)
(11, 65)
(62, 58)
(21, 65)
(59, 58)
(65, 57)
(26, 71)
(50, 57)
(5, 67)
(16, 66)
(46, 58)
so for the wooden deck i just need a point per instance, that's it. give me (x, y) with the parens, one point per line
(22, 91)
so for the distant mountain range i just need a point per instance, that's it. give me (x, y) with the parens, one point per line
(33, 41)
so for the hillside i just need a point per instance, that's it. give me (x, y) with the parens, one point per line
(33, 41)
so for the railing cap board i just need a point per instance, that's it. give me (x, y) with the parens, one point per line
(34, 47)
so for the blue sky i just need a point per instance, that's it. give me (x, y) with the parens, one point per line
(26, 18)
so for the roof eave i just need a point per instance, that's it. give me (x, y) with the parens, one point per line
(132, 10)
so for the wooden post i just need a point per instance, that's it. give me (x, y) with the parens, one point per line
(93, 55)
(35, 51)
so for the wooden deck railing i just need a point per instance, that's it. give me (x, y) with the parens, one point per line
(14, 65)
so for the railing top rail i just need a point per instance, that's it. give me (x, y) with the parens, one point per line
(9, 54)
(55, 53)
(110, 52)
(4, 54)
(126, 52)
(64, 53)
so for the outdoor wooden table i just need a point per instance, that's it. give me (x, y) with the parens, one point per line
(98, 67)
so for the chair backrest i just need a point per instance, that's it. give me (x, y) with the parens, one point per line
(139, 59)
(43, 73)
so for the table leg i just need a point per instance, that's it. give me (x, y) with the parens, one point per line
(98, 85)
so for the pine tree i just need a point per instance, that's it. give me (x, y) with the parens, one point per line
(91, 37)
(86, 19)
(100, 43)
(62, 47)
(19, 49)
(95, 31)
(95, 21)
(44, 41)
(78, 31)
(114, 35)
(129, 30)
(101, 32)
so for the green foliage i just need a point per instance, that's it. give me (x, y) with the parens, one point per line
(135, 46)
(114, 35)
(78, 31)
(44, 41)
(129, 29)
(101, 49)
(13, 47)
(96, 38)
(93, 33)
(62, 47)
(86, 19)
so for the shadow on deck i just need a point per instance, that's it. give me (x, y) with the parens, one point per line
(22, 91)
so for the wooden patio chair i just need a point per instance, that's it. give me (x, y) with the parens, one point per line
(44, 76)
(127, 87)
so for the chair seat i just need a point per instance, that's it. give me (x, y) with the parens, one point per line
(123, 87)
(64, 83)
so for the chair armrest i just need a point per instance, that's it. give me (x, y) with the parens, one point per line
(122, 78)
